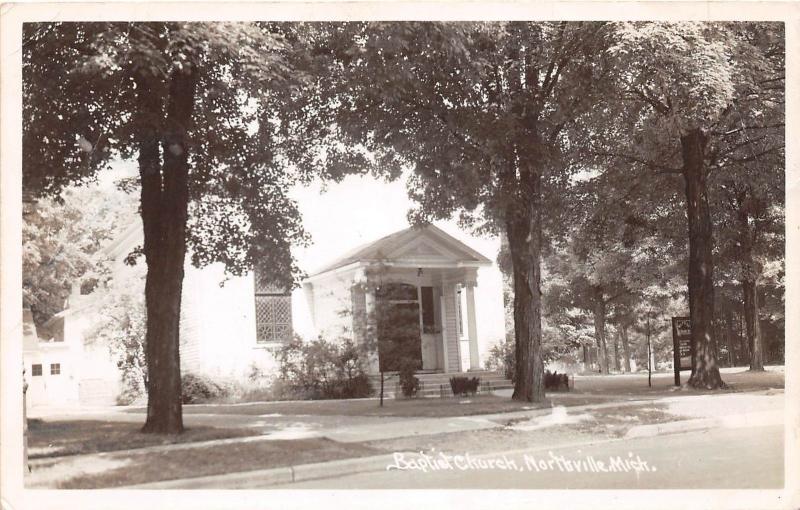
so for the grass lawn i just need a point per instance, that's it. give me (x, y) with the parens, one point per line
(136, 468)
(588, 390)
(58, 438)
(419, 407)
(664, 383)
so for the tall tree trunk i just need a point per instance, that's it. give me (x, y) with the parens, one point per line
(705, 372)
(751, 272)
(753, 326)
(616, 351)
(505, 266)
(165, 198)
(730, 334)
(741, 332)
(599, 313)
(524, 229)
(626, 349)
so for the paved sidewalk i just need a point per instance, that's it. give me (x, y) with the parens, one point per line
(285, 477)
(276, 476)
(703, 411)
(377, 428)
(349, 429)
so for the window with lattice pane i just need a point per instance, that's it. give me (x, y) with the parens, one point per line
(273, 318)
(266, 286)
(273, 311)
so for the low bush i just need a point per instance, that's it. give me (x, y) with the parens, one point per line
(357, 386)
(321, 370)
(464, 385)
(129, 396)
(556, 381)
(409, 383)
(198, 388)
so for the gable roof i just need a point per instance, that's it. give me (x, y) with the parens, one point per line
(388, 248)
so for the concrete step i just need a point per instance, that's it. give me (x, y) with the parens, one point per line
(481, 375)
(446, 377)
(484, 375)
(483, 380)
(446, 392)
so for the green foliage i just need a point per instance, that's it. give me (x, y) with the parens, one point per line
(480, 112)
(210, 111)
(554, 381)
(321, 370)
(409, 383)
(501, 359)
(557, 342)
(477, 110)
(391, 331)
(196, 389)
(62, 241)
(725, 79)
(398, 337)
(686, 61)
(560, 341)
(81, 114)
(127, 343)
(459, 102)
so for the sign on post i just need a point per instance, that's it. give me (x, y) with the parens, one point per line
(682, 346)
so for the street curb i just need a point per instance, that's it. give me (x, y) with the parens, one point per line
(331, 469)
(275, 476)
(335, 468)
(271, 476)
(316, 471)
(731, 421)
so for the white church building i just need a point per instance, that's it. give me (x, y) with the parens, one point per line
(230, 329)
(428, 271)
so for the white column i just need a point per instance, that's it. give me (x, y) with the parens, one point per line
(371, 323)
(472, 328)
(446, 364)
(419, 309)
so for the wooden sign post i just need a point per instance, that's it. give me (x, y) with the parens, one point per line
(682, 346)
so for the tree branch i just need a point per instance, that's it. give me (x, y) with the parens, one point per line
(749, 159)
(745, 128)
(655, 103)
(662, 169)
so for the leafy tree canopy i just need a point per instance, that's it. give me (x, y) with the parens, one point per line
(81, 114)
(62, 245)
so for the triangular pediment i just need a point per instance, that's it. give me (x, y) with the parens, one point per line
(411, 246)
(424, 248)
